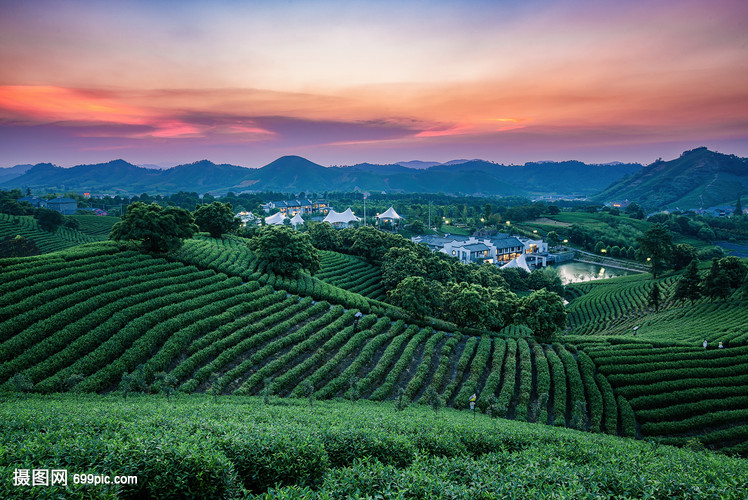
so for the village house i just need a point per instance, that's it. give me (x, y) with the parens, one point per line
(501, 249)
(293, 207)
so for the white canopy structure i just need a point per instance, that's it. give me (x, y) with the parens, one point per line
(337, 219)
(390, 214)
(520, 262)
(276, 219)
(296, 220)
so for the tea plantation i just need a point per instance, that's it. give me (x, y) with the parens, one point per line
(209, 319)
(232, 447)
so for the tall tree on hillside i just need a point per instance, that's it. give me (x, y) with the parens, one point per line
(656, 246)
(688, 286)
(17, 246)
(655, 296)
(216, 218)
(417, 295)
(156, 228)
(543, 312)
(49, 220)
(716, 285)
(552, 239)
(398, 264)
(287, 252)
(738, 208)
(735, 270)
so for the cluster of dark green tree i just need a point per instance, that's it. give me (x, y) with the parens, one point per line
(616, 237)
(656, 249)
(477, 306)
(17, 246)
(445, 212)
(704, 227)
(434, 284)
(161, 229)
(724, 276)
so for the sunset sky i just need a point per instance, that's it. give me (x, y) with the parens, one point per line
(344, 82)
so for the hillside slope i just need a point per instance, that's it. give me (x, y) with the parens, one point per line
(60, 239)
(80, 319)
(697, 179)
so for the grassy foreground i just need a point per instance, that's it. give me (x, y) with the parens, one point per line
(233, 447)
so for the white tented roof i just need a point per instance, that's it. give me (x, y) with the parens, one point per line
(389, 214)
(335, 217)
(520, 262)
(276, 218)
(297, 219)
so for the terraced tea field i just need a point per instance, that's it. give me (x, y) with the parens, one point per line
(616, 306)
(26, 226)
(235, 446)
(211, 318)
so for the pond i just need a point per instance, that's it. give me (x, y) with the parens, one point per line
(736, 249)
(575, 272)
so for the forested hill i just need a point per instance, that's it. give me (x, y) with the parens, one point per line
(699, 178)
(295, 174)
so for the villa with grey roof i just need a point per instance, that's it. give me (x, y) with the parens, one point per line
(501, 249)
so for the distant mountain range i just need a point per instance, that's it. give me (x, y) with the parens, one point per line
(700, 178)
(296, 174)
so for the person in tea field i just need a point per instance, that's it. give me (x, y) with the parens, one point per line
(704, 344)
(720, 345)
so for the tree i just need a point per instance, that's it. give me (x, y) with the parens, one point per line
(433, 399)
(157, 229)
(398, 264)
(715, 284)
(656, 245)
(735, 270)
(307, 390)
(370, 243)
(682, 255)
(543, 312)
(417, 295)
(706, 233)
(688, 286)
(20, 382)
(287, 252)
(417, 227)
(323, 236)
(166, 383)
(552, 239)
(469, 304)
(49, 220)
(655, 296)
(738, 208)
(216, 218)
(18, 246)
(71, 223)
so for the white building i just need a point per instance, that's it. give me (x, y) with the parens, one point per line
(338, 220)
(500, 249)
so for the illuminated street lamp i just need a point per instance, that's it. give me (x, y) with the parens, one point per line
(603, 250)
(535, 231)
(508, 223)
(649, 258)
(566, 241)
